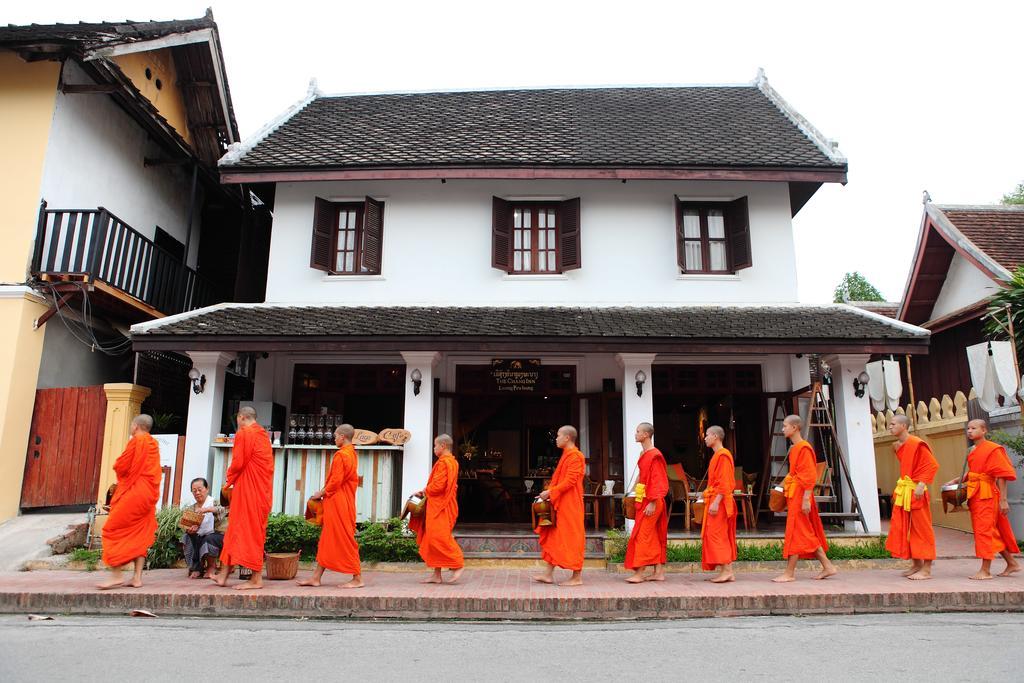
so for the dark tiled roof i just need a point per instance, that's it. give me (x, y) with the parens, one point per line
(795, 322)
(94, 35)
(718, 126)
(890, 309)
(996, 230)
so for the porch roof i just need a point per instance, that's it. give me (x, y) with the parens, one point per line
(736, 328)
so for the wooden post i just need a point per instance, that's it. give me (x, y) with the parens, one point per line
(910, 386)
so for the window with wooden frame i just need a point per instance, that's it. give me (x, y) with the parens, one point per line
(713, 237)
(347, 237)
(535, 237)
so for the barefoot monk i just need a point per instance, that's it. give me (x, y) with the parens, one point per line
(648, 542)
(434, 528)
(131, 528)
(911, 536)
(718, 530)
(563, 544)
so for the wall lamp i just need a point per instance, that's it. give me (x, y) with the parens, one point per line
(417, 379)
(640, 378)
(860, 382)
(198, 380)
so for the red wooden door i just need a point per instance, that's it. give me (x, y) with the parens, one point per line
(65, 447)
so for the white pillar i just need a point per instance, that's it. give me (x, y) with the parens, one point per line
(855, 428)
(266, 374)
(419, 419)
(204, 412)
(637, 407)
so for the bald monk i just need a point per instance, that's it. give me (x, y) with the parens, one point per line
(648, 543)
(805, 535)
(434, 529)
(338, 549)
(718, 530)
(131, 527)
(911, 536)
(988, 470)
(251, 473)
(563, 545)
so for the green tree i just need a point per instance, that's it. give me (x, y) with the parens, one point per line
(855, 287)
(1010, 300)
(1016, 196)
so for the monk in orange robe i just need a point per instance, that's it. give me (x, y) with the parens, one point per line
(434, 528)
(563, 544)
(988, 470)
(911, 536)
(648, 543)
(251, 473)
(718, 530)
(131, 527)
(338, 549)
(805, 535)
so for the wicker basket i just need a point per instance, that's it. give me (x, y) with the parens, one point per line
(191, 518)
(282, 566)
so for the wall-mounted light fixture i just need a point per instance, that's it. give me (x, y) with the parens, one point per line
(198, 381)
(640, 378)
(417, 379)
(860, 382)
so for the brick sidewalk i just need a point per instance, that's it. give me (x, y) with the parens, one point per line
(511, 594)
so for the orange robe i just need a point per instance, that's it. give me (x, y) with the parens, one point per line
(910, 532)
(718, 532)
(252, 474)
(804, 533)
(987, 462)
(338, 549)
(434, 529)
(563, 544)
(131, 527)
(648, 544)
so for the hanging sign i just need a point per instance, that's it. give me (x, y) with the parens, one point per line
(515, 374)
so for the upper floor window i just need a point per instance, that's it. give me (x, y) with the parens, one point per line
(347, 237)
(713, 237)
(535, 237)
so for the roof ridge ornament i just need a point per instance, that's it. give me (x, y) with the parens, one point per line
(925, 197)
(828, 146)
(237, 151)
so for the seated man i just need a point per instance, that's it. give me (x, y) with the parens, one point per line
(203, 542)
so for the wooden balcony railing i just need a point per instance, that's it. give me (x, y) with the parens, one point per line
(94, 244)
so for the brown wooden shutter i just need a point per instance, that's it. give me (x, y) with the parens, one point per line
(501, 235)
(324, 218)
(571, 256)
(737, 226)
(680, 249)
(373, 236)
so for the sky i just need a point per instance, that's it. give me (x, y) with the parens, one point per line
(919, 95)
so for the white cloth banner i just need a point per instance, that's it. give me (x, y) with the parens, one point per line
(992, 373)
(885, 385)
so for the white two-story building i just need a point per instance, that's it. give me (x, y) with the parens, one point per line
(496, 264)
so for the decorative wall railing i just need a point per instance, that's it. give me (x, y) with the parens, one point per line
(94, 244)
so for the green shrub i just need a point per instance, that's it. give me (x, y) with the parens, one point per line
(289, 534)
(166, 550)
(749, 552)
(387, 541)
(91, 558)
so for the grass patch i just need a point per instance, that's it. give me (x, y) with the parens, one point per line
(748, 552)
(91, 558)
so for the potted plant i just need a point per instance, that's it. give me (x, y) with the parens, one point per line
(288, 536)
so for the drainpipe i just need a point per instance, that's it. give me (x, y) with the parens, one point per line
(191, 211)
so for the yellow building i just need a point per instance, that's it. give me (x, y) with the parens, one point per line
(111, 137)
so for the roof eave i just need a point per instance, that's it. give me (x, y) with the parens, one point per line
(232, 175)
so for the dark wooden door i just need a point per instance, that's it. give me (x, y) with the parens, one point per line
(65, 447)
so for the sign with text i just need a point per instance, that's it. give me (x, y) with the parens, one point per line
(515, 374)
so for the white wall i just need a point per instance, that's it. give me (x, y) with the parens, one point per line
(95, 158)
(437, 245)
(965, 284)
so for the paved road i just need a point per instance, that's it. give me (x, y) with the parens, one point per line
(901, 647)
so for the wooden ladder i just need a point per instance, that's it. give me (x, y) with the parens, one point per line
(821, 432)
(774, 465)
